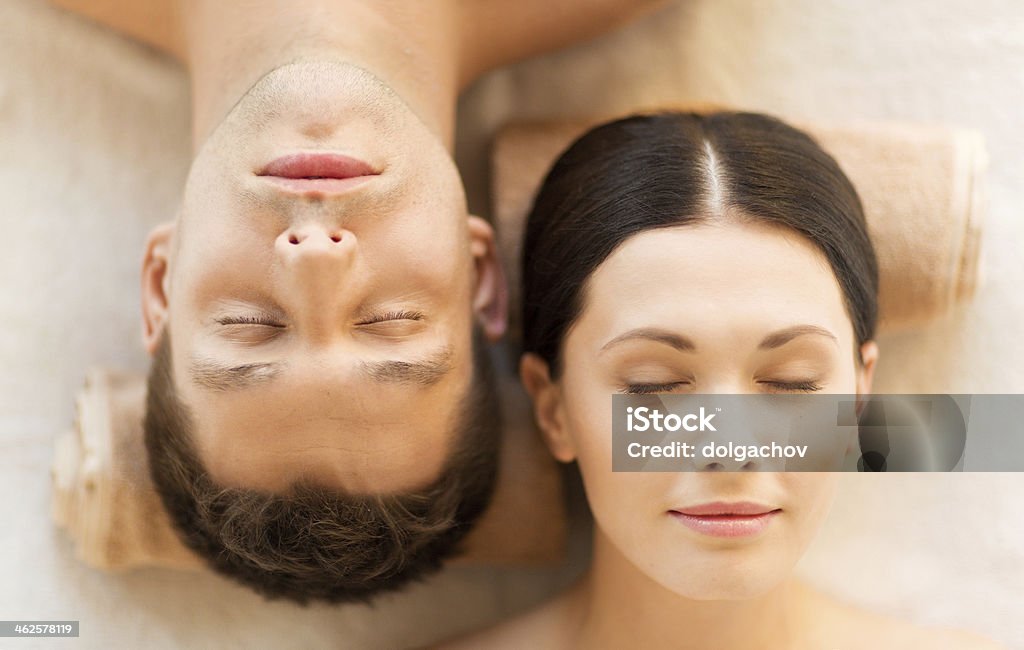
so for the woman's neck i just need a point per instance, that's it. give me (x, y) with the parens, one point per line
(411, 46)
(619, 606)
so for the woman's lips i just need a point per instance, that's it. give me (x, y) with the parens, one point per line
(319, 172)
(719, 519)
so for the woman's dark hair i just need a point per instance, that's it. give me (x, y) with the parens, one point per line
(673, 169)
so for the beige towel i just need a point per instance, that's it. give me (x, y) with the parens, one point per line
(104, 498)
(921, 187)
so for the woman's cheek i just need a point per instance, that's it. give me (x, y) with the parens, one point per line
(588, 409)
(812, 493)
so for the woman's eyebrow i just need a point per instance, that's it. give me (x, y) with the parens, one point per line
(683, 344)
(781, 337)
(655, 334)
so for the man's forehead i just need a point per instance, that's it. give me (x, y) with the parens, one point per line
(360, 457)
(360, 438)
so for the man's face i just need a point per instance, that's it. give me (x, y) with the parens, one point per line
(322, 326)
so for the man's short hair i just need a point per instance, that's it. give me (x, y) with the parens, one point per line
(316, 543)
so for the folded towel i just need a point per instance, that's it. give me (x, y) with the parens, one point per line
(104, 498)
(921, 187)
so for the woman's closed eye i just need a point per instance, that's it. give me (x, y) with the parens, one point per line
(804, 386)
(648, 389)
(776, 386)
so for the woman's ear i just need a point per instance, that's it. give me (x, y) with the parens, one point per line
(866, 375)
(490, 290)
(547, 406)
(155, 285)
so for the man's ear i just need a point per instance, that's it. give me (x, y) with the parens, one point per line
(155, 285)
(547, 406)
(490, 289)
(866, 376)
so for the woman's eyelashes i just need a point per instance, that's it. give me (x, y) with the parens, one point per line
(647, 389)
(808, 386)
(773, 386)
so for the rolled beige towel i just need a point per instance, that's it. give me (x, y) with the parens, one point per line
(105, 500)
(921, 187)
(102, 493)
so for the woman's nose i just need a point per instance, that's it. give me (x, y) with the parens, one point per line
(728, 463)
(739, 428)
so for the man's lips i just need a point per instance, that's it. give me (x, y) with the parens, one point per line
(318, 172)
(318, 166)
(720, 519)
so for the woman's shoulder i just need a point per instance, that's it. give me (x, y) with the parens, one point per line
(836, 625)
(848, 626)
(902, 634)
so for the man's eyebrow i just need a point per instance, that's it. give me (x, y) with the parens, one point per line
(670, 339)
(784, 336)
(214, 375)
(424, 372)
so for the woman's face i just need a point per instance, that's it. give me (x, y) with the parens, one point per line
(722, 307)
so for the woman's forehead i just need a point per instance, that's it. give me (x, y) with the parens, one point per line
(715, 276)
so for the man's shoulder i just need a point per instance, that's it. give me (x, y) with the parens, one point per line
(153, 22)
(541, 628)
(499, 32)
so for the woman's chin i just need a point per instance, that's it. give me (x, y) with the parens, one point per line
(728, 582)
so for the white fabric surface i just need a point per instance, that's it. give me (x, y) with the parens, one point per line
(93, 152)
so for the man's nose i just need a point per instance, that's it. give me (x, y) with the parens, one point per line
(317, 261)
(311, 239)
(316, 248)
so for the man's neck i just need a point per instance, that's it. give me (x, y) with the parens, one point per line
(411, 46)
